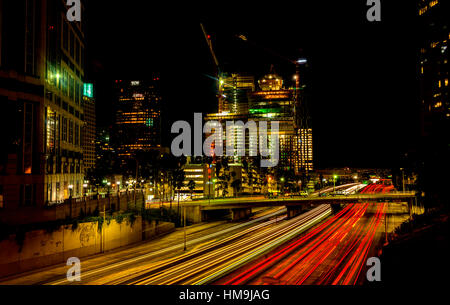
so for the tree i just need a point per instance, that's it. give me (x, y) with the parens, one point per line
(191, 186)
(178, 177)
(236, 185)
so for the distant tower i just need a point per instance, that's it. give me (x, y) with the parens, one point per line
(89, 128)
(138, 116)
(277, 103)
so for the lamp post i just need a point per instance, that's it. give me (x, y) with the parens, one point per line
(70, 191)
(184, 223)
(334, 183)
(209, 183)
(70, 198)
(214, 181)
(403, 178)
(118, 187)
(85, 186)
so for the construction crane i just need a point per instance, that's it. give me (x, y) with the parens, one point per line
(213, 54)
(218, 73)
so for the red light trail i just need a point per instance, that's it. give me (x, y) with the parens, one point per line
(333, 253)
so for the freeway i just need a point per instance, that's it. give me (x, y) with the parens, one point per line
(314, 247)
(333, 253)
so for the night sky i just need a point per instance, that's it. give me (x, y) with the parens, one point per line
(362, 75)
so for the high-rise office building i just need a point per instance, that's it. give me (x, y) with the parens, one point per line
(271, 102)
(138, 116)
(276, 103)
(41, 89)
(432, 163)
(434, 37)
(89, 128)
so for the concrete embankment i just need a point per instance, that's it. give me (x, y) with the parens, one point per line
(41, 249)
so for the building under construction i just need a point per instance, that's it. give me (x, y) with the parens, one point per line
(270, 102)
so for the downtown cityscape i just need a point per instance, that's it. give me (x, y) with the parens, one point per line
(258, 147)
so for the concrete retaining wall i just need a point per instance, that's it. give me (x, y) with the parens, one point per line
(41, 249)
(72, 208)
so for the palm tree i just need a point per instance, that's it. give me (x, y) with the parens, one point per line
(191, 186)
(236, 185)
(179, 177)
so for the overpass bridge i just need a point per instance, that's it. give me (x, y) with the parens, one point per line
(242, 207)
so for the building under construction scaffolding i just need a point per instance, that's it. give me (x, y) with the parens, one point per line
(240, 100)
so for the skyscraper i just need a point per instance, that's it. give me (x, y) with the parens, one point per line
(89, 128)
(41, 89)
(271, 102)
(274, 102)
(138, 116)
(434, 37)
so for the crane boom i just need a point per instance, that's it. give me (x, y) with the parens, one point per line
(208, 41)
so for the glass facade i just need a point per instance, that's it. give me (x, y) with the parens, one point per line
(272, 102)
(138, 116)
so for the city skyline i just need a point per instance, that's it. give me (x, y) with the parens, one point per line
(334, 50)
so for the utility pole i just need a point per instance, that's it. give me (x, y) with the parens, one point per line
(385, 225)
(209, 195)
(135, 184)
(103, 227)
(403, 179)
(209, 184)
(184, 222)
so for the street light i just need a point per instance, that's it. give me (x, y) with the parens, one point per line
(71, 190)
(282, 179)
(85, 186)
(403, 178)
(334, 183)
